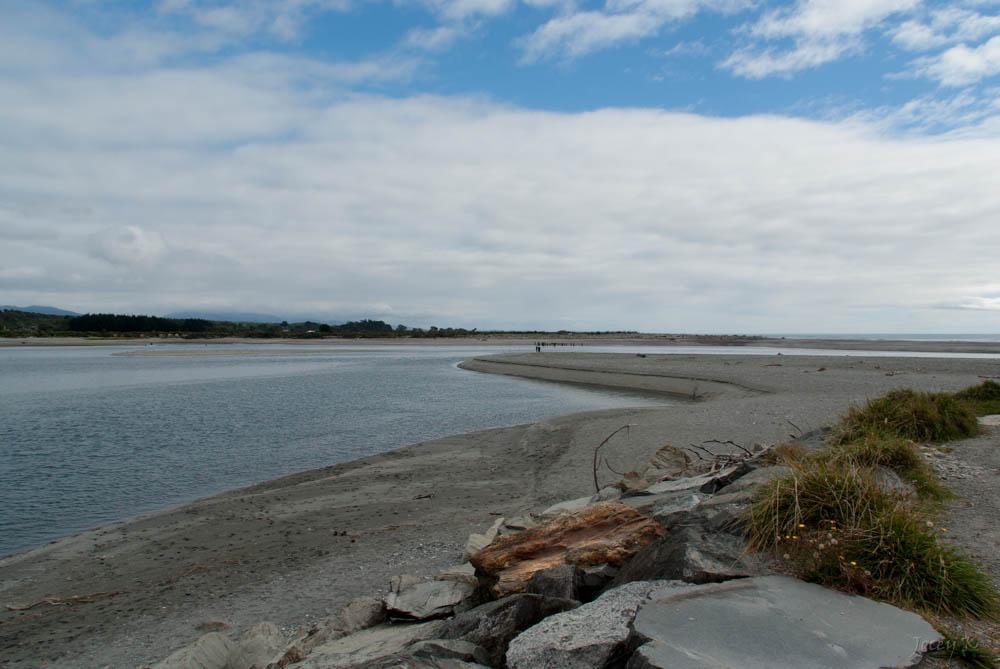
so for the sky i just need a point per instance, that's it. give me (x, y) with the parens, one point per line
(660, 165)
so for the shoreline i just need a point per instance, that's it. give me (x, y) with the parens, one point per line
(274, 551)
(559, 342)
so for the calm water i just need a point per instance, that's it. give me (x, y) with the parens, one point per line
(88, 437)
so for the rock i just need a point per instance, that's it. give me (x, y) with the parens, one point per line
(569, 506)
(257, 646)
(463, 573)
(368, 645)
(607, 494)
(427, 599)
(517, 524)
(433, 654)
(756, 478)
(665, 503)
(454, 649)
(669, 462)
(889, 481)
(993, 420)
(692, 556)
(495, 623)
(211, 651)
(562, 582)
(591, 636)
(593, 580)
(478, 542)
(607, 533)
(633, 482)
(774, 622)
(360, 613)
(707, 483)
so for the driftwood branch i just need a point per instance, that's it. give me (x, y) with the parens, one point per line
(65, 601)
(601, 445)
(729, 443)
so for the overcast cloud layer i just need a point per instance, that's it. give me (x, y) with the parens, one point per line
(136, 175)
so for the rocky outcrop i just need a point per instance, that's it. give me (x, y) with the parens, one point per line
(258, 645)
(606, 533)
(423, 600)
(589, 637)
(494, 624)
(775, 622)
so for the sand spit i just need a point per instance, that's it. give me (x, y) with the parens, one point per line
(297, 548)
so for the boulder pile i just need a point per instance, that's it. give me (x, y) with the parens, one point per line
(652, 572)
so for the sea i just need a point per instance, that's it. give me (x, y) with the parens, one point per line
(94, 435)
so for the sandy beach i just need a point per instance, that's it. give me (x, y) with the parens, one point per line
(297, 548)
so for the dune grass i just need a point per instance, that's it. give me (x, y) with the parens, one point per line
(908, 414)
(832, 522)
(835, 525)
(900, 455)
(983, 398)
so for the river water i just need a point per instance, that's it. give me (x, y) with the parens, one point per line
(93, 435)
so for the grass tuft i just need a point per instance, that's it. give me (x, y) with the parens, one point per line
(834, 525)
(900, 455)
(965, 649)
(908, 414)
(984, 399)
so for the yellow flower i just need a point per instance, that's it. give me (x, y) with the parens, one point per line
(853, 563)
(801, 525)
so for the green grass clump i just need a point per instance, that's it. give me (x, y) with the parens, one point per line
(987, 390)
(900, 455)
(908, 414)
(834, 525)
(983, 398)
(965, 649)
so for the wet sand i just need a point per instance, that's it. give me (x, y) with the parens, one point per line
(296, 548)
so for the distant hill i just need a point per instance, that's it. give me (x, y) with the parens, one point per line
(39, 309)
(229, 316)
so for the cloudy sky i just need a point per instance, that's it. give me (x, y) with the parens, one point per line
(663, 165)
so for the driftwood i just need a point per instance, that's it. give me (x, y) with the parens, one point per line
(597, 461)
(65, 601)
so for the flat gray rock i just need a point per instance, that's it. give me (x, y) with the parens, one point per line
(368, 645)
(992, 420)
(429, 599)
(588, 637)
(756, 478)
(775, 622)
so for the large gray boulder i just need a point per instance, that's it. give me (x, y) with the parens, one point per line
(774, 622)
(211, 651)
(495, 623)
(427, 599)
(368, 645)
(693, 556)
(589, 637)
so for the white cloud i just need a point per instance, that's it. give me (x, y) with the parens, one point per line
(944, 26)
(821, 32)
(129, 245)
(576, 33)
(260, 185)
(962, 65)
(433, 39)
(280, 18)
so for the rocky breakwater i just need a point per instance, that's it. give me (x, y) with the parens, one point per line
(651, 572)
